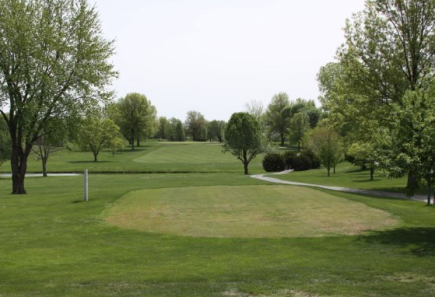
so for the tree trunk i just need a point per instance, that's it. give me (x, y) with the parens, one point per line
(334, 169)
(44, 167)
(329, 171)
(282, 139)
(132, 143)
(429, 191)
(138, 141)
(372, 172)
(95, 157)
(412, 181)
(18, 167)
(245, 162)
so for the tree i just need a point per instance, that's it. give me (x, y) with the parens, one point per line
(255, 108)
(215, 130)
(163, 130)
(364, 154)
(53, 60)
(243, 138)
(277, 118)
(96, 133)
(326, 144)
(410, 145)
(52, 139)
(176, 130)
(389, 50)
(299, 125)
(196, 125)
(135, 115)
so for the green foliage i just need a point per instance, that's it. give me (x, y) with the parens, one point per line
(97, 133)
(243, 138)
(299, 125)
(215, 130)
(326, 144)
(276, 118)
(54, 60)
(273, 162)
(196, 126)
(135, 115)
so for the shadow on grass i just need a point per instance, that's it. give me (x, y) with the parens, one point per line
(420, 240)
(89, 162)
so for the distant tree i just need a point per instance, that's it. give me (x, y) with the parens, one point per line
(243, 138)
(255, 108)
(196, 125)
(299, 125)
(364, 155)
(176, 130)
(96, 133)
(135, 115)
(5, 143)
(163, 130)
(52, 139)
(277, 118)
(326, 144)
(53, 60)
(215, 130)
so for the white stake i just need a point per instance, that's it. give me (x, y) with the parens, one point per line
(86, 186)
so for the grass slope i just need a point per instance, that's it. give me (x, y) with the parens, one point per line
(245, 212)
(54, 245)
(348, 176)
(151, 157)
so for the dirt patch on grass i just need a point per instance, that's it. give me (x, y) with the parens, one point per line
(245, 212)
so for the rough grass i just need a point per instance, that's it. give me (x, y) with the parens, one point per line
(245, 212)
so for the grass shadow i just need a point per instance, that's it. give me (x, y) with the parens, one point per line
(89, 162)
(419, 240)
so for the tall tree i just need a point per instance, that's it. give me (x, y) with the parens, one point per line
(135, 115)
(243, 138)
(196, 125)
(299, 125)
(277, 117)
(53, 59)
(215, 130)
(163, 130)
(389, 50)
(97, 133)
(326, 144)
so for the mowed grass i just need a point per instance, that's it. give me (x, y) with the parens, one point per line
(245, 212)
(151, 157)
(52, 244)
(347, 176)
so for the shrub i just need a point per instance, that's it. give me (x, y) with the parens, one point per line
(288, 157)
(273, 162)
(301, 162)
(315, 161)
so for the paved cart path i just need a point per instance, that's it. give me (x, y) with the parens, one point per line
(422, 198)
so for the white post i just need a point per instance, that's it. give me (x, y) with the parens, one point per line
(86, 186)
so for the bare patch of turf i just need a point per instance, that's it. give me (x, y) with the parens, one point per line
(245, 212)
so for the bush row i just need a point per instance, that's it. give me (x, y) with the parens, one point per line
(298, 161)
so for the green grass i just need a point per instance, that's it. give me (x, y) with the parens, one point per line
(245, 212)
(347, 176)
(54, 245)
(151, 157)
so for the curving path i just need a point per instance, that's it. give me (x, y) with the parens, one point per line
(422, 198)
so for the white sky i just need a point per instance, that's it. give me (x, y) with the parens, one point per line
(214, 56)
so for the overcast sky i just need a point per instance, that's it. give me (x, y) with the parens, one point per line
(214, 56)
